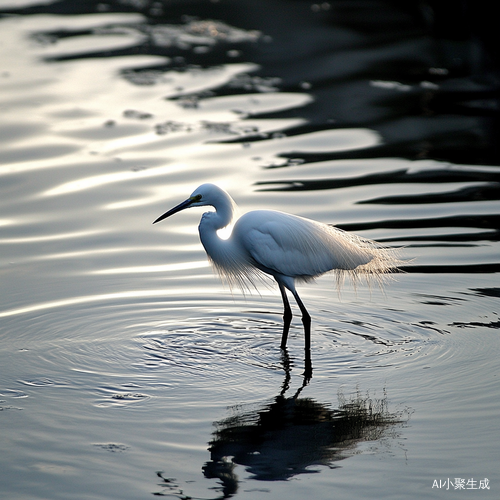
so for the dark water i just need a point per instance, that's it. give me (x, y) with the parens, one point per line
(126, 369)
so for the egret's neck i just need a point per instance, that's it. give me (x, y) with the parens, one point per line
(210, 223)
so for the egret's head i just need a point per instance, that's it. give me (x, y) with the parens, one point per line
(206, 194)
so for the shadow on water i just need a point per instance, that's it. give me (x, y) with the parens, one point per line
(291, 435)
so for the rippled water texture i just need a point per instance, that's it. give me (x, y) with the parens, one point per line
(127, 369)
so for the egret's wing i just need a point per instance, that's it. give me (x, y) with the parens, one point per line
(298, 247)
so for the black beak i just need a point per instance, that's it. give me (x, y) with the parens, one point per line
(178, 208)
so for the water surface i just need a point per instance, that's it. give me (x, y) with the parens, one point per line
(127, 368)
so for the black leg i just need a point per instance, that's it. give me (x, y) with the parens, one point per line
(287, 316)
(308, 368)
(306, 321)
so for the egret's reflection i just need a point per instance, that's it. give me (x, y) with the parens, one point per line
(291, 435)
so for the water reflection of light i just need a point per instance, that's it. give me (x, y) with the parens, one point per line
(84, 44)
(132, 294)
(99, 180)
(88, 253)
(181, 266)
(137, 202)
(332, 140)
(51, 237)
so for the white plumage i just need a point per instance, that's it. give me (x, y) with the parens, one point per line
(284, 246)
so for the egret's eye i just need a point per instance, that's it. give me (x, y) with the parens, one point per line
(197, 197)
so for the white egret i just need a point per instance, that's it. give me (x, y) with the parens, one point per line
(284, 246)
